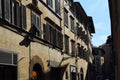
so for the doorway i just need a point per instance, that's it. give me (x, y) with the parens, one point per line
(39, 74)
(8, 72)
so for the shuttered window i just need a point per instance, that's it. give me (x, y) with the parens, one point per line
(53, 35)
(13, 12)
(23, 16)
(7, 10)
(66, 44)
(47, 32)
(73, 47)
(72, 23)
(61, 41)
(57, 6)
(0, 9)
(56, 38)
(50, 3)
(36, 23)
(66, 17)
(17, 14)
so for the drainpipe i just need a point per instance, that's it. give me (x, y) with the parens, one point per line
(29, 59)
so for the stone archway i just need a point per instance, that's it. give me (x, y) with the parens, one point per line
(36, 65)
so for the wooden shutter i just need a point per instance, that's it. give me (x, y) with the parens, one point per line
(7, 10)
(37, 26)
(17, 14)
(54, 36)
(47, 33)
(57, 38)
(33, 19)
(23, 16)
(13, 12)
(0, 9)
(61, 41)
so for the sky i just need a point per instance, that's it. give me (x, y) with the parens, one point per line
(99, 11)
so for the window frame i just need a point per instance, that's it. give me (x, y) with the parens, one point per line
(35, 23)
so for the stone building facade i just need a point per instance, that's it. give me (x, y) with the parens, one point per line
(44, 39)
(98, 63)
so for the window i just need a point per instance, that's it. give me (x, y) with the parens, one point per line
(66, 17)
(72, 23)
(23, 16)
(47, 32)
(17, 17)
(79, 32)
(66, 44)
(36, 23)
(0, 9)
(53, 35)
(50, 3)
(73, 47)
(7, 10)
(57, 6)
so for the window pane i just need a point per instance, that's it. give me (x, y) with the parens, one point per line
(0, 9)
(5, 58)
